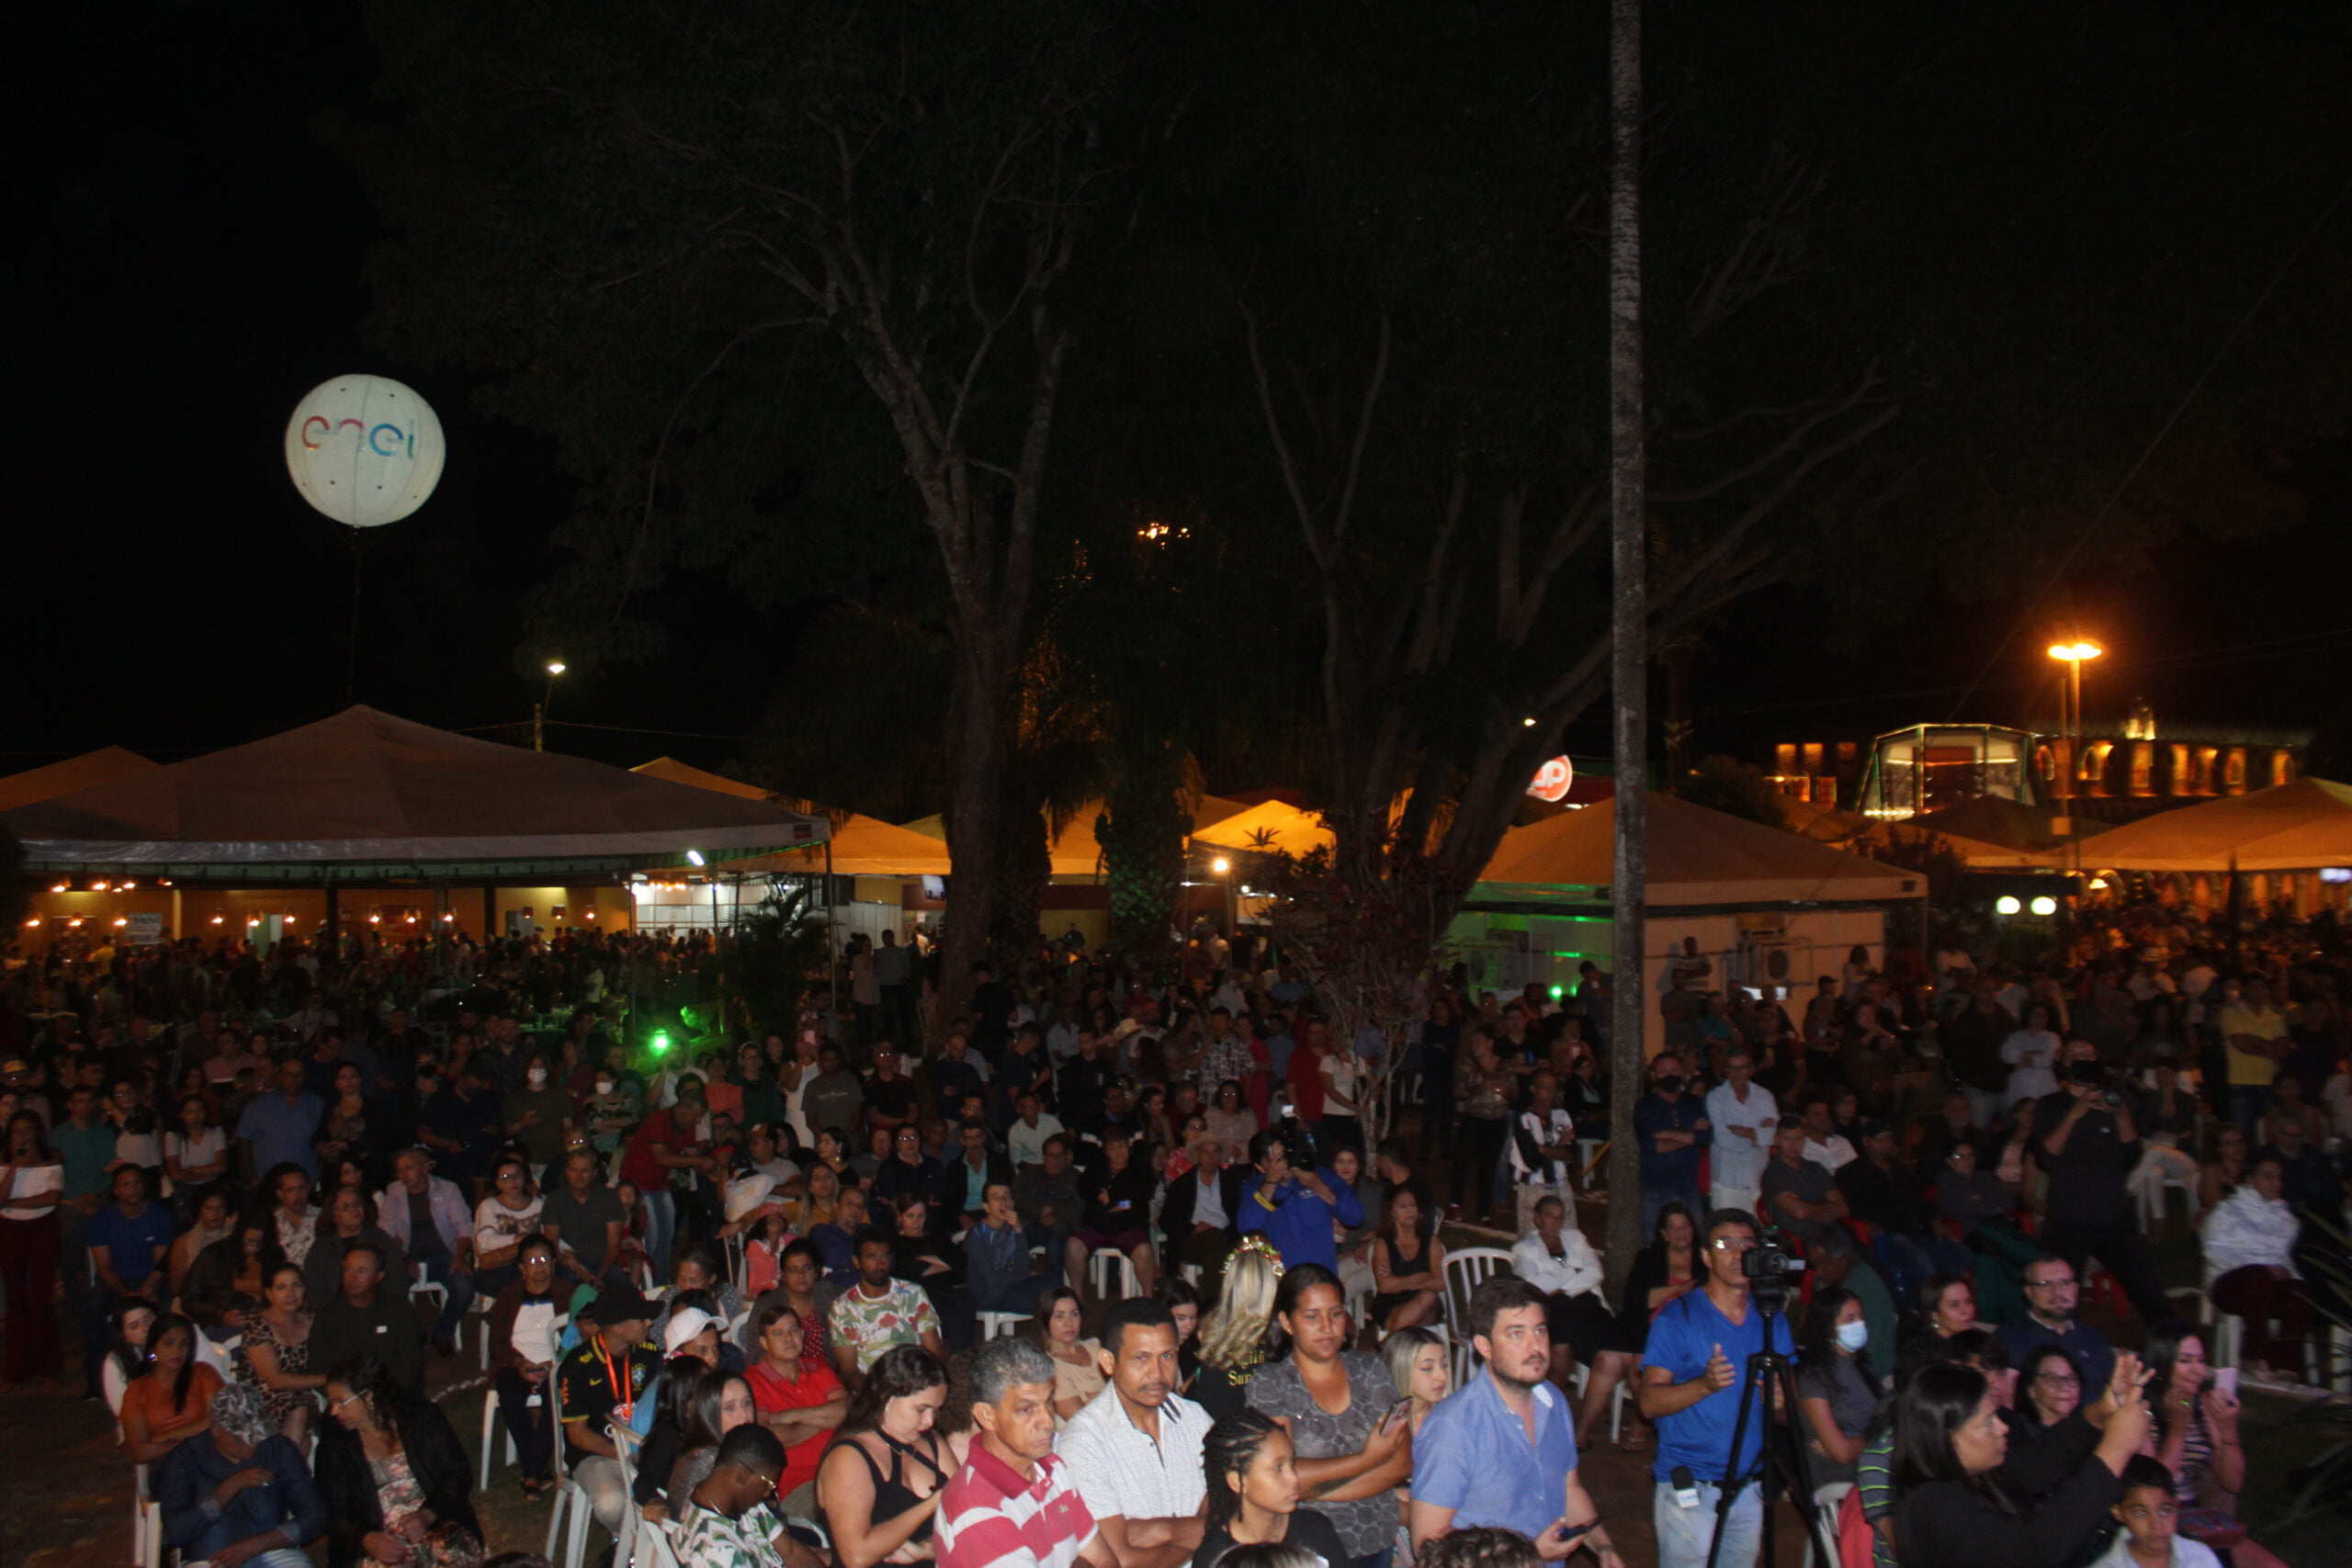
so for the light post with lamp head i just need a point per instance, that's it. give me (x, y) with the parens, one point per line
(2070, 727)
(539, 708)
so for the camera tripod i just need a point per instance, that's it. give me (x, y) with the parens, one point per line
(1766, 1363)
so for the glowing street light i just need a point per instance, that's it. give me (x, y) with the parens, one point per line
(2074, 655)
(555, 667)
(1220, 865)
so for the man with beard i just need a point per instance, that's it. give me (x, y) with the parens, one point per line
(1500, 1450)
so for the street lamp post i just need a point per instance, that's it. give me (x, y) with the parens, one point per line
(539, 708)
(2069, 729)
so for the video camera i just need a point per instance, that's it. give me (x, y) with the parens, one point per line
(2108, 1081)
(1770, 1272)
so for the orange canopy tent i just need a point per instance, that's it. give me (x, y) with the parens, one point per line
(862, 846)
(2302, 825)
(363, 793)
(1269, 826)
(1074, 852)
(1697, 858)
(74, 774)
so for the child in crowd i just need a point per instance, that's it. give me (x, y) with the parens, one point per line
(2151, 1516)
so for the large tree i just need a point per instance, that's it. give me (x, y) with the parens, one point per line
(780, 280)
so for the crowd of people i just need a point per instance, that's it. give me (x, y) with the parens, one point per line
(818, 1288)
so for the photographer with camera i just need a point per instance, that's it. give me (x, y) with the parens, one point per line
(2088, 1144)
(1692, 1373)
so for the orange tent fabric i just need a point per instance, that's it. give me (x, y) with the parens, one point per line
(367, 789)
(101, 766)
(2300, 826)
(862, 846)
(1697, 857)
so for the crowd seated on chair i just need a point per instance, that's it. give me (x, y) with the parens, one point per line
(378, 1156)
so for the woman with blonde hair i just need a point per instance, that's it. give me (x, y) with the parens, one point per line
(1237, 1337)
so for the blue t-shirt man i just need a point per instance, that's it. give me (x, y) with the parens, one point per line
(1685, 1336)
(281, 1126)
(135, 1243)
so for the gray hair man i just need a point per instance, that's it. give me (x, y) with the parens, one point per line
(1014, 1505)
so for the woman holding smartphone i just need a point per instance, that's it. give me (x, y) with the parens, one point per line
(1348, 1427)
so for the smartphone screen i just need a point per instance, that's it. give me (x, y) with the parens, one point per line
(2226, 1380)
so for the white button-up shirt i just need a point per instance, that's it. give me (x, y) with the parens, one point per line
(1120, 1469)
(1737, 1162)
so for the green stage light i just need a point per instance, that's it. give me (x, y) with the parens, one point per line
(661, 1040)
(1558, 991)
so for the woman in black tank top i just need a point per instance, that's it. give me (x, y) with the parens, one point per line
(881, 1478)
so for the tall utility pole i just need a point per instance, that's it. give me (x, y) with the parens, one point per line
(1629, 661)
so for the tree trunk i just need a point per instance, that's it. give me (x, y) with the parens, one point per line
(979, 782)
(1629, 553)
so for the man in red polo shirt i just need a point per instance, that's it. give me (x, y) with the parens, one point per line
(1013, 1504)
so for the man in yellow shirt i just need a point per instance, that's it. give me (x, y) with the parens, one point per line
(2254, 1035)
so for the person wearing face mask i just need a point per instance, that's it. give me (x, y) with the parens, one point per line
(538, 1117)
(1675, 1134)
(616, 1106)
(1836, 1393)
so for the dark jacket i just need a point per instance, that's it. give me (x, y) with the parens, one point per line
(1176, 1213)
(355, 1510)
(322, 1272)
(919, 1175)
(387, 1330)
(1944, 1525)
(184, 1480)
(955, 1178)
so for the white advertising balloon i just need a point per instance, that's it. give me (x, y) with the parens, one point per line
(364, 449)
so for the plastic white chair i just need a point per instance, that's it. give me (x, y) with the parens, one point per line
(1466, 1270)
(736, 1262)
(146, 1522)
(993, 1324)
(439, 1295)
(655, 1546)
(2226, 1344)
(489, 1437)
(1583, 1376)
(2154, 1205)
(490, 1424)
(1107, 1267)
(571, 1498)
(625, 1443)
(1356, 1301)
(1826, 1501)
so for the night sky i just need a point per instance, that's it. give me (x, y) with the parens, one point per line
(189, 261)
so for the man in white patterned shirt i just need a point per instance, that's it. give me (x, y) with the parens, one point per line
(1134, 1450)
(727, 1522)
